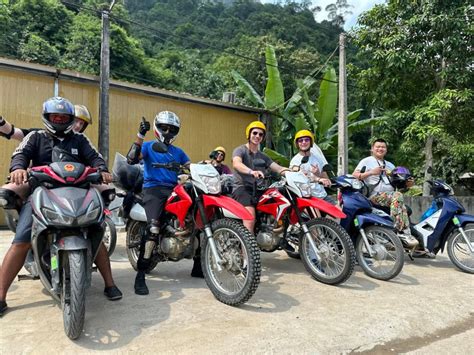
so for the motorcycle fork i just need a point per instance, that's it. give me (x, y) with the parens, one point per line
(366, 242)
(209, 235)
(464, 235)
(306, 231)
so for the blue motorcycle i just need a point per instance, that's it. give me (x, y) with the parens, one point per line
(446, 222)
(379, 251)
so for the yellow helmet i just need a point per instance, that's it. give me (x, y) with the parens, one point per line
(81, 112)
(303, 133)
(255, 124)
(221, 149)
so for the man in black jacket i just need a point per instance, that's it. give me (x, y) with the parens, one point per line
(36, 148)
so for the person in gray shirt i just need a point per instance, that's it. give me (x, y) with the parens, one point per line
(243, 159)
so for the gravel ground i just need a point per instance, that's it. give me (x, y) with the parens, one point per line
(427, 309)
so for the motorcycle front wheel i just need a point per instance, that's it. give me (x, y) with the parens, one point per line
(458, 249)
(388, 260)
(73, 295)
(336, 259)
(133, 240)
(239, 276)
(110, 235)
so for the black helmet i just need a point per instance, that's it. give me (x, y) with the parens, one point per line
(60, 106)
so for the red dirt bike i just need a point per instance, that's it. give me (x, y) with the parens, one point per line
(230, 258)
(287, 214)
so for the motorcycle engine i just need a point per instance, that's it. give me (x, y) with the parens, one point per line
(269, 235)
(176, 242)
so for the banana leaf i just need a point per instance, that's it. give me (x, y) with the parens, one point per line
(274, 95)
(327, 102)
(277, 157)
(248, 89)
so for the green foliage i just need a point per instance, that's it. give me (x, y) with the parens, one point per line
(418, 74)
(36, 49)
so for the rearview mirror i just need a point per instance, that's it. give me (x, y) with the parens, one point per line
(305, 159)
(159, 147)
(259, 163)
(364, 168)
(327, 167)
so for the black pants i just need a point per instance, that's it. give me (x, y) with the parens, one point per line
(154, 200)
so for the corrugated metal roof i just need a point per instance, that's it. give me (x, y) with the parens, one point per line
(69, 74)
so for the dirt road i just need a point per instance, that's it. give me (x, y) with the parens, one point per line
(428, 309)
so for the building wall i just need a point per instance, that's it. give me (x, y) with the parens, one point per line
(204, 125)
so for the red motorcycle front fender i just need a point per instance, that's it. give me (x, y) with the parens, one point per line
(228, 204)
(321, 205)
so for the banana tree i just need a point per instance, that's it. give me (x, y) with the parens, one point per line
(299, 111)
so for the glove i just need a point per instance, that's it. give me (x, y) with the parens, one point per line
(143, 128)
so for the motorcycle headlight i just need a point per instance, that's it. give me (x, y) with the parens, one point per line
(212, 183)
(357, 184)
(55, 217)
(91, 215)
(305, 188)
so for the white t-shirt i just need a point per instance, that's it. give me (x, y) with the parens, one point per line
(382, 181)
(315, 161)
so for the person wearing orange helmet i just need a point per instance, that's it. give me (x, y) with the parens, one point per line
(243, 159)
(304, 141)
(216, 159)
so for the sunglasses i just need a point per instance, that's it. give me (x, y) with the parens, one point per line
(166, 129)
(260, 134)
(304, 140)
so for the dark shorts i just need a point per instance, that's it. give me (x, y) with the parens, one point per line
(245, 196)
(154, 199)
(25, 221)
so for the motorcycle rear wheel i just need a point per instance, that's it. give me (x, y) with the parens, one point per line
(73, 295)
(237, 247)
(337, 257)
(389, 260)
(134, 235)
(110, 236)
(458, 250)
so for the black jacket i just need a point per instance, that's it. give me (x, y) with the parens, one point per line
(37, 148)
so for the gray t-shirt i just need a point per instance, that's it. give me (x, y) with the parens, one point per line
(248, 158)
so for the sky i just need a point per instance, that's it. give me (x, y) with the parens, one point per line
(359, 7)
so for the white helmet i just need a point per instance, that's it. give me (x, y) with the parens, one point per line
(166, 126)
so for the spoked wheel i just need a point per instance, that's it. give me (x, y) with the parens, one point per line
(110, 236)
(73, 295)
(388, 258)
(458, 249)
(133, 240)
(240, 275)
(335, 261)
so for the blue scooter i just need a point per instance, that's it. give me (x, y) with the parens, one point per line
(379, 251)
(446, 222)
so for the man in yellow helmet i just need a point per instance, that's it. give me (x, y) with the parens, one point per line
(304, 141)
(217, 157)
(246, 172)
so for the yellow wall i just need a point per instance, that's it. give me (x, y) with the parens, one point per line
(203, 126)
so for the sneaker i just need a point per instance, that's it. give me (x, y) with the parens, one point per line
(140, 285)
(112, 293)
(197, 270)
(3, 307)
(408, 240)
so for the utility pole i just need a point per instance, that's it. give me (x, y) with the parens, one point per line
(342, 146)
(104, 85)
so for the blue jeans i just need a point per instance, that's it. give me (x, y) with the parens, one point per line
(25, 221)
